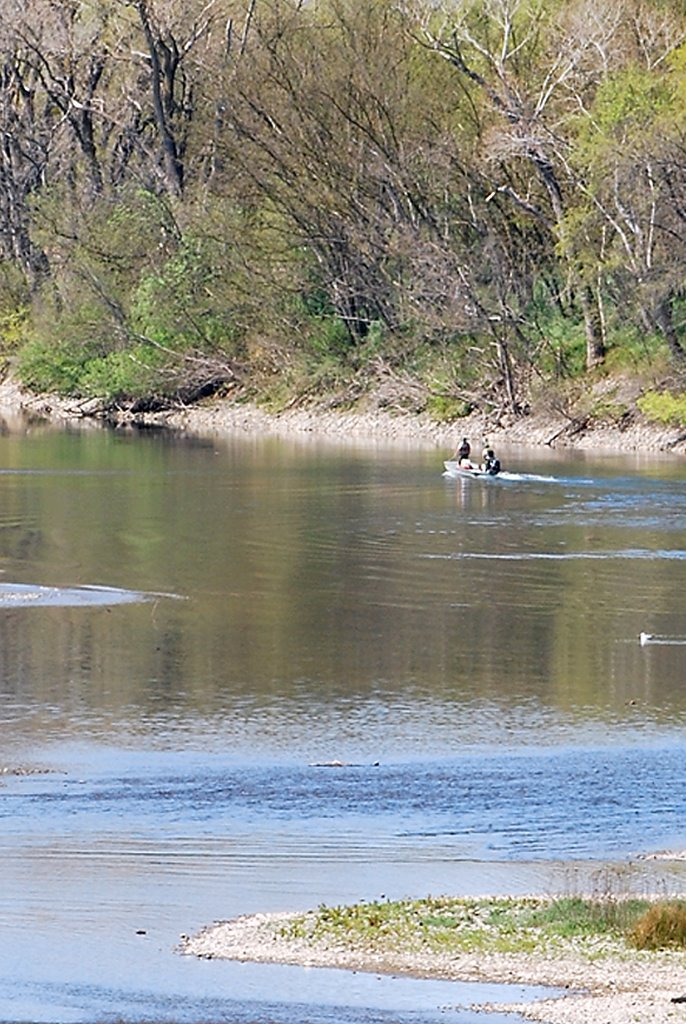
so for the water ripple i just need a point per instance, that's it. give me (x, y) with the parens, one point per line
(563, 556)
(28, 594)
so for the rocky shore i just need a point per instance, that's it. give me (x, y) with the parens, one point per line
(602, 990)
(538, 429)
(220, 417)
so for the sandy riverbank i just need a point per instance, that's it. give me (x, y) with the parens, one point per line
(221, 417)
(637, 989)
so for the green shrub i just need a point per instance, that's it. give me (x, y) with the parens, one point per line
(77, 371)
(630, 348)
(445, 409)
(561, 344)
(13, 328)
(327, 336)
(663, 407)
(120, 376)
(663, 926)
(184, 303)
(45, 366)
(609, 410)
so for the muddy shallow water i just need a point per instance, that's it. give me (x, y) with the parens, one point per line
(237, 615)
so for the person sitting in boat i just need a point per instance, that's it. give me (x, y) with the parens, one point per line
(491, 465)
(463, 452)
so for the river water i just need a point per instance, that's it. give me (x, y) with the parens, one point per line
(191, 631)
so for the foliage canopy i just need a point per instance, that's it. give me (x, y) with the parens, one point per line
(466, 195)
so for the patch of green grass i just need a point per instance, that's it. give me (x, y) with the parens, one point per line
(575, 916)
(594, 926)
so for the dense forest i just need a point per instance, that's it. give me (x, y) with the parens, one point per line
(450, 204)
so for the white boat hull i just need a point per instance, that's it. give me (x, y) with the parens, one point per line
(455, 469)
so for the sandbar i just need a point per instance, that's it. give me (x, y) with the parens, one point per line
(638, 988)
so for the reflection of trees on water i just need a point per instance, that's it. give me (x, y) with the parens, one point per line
(313, 581)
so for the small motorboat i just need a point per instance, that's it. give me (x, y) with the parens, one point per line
(467, 469)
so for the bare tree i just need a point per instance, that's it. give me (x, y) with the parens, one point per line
(69, 61)
(28, 128)
(170, 36)
(526, 93)
(326, 123)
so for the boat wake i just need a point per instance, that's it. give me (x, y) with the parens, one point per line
(569, 556)
(504, 474)
(528, 477)
(651, 638)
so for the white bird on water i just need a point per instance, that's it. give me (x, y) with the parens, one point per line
(645, 638)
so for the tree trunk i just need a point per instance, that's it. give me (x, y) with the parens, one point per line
(508, 376)
(593, 323)
(172, 164)
(665, 323)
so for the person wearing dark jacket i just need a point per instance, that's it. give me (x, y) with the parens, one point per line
(491, 465)
(463, 452)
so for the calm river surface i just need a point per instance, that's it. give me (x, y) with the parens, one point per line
(190, 629)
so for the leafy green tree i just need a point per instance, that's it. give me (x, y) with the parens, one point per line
(628, 155)
(528, 67)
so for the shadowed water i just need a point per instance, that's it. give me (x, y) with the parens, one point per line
(468, 651)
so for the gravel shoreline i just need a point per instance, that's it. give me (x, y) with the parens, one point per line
(217, 418)
(223, 417)
(637, 989)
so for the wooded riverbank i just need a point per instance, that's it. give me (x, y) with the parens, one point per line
(458, 201)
